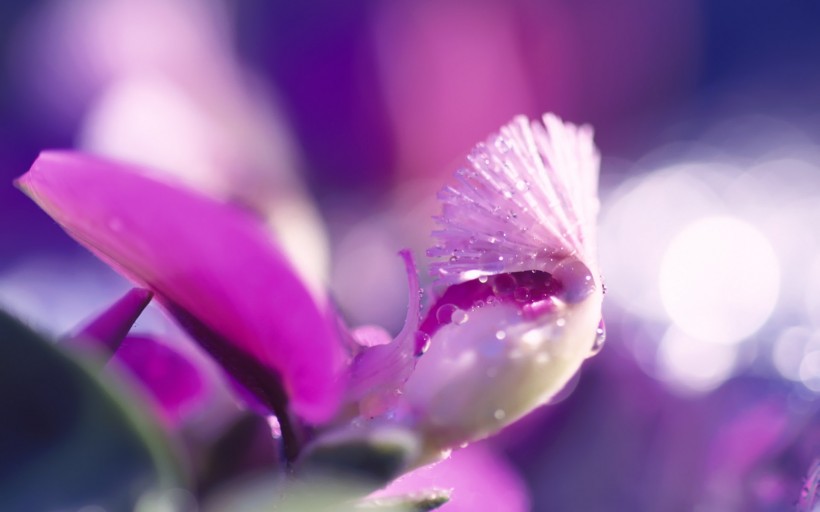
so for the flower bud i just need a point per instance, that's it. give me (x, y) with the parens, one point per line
(522, 305)
(498, 358)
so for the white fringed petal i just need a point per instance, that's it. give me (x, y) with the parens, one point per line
(527, 200)
(523, 304)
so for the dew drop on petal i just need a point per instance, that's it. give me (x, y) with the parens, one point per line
(500, 335)
(504, 284)
(422, 343)
(444, 314)
(575, 278)
(501, 145)
(491, 261)
(522, 294)
(459, 317)
(482, 279)
(600, 338)
(499, 414)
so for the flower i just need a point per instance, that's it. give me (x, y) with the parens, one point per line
(522, 307)
(213, 266)
(519, 313)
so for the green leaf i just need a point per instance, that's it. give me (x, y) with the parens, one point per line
(417, 502)
(67, 439)
(370, 457)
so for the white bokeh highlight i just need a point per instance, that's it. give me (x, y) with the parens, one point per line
(719, 280)
(690, 365)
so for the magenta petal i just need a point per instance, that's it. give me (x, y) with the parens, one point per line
(104, 333)
(174, 383)
(211, 265)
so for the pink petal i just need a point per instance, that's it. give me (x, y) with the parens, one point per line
(105, 332)
(211, 265)
(174, 383)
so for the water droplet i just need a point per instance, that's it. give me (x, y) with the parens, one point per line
(460, 317)
(561, 322)
(600, 338)
(507, 194)
(482, 279)
(422, 343)
(522, 186)
(453, 259)
(491, 262)
(499, 414)
(575, 278)
(501, 145)
(504, 284)
(500, 335)
(444, 314)
(522, 294)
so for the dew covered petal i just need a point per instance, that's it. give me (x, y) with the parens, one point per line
(520, 305)
(525, 200)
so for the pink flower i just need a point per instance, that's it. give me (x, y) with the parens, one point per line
(211, 265)
(522, 307)
(518, 312)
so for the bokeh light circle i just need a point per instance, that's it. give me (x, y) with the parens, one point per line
(719, 279)
(690, 365)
